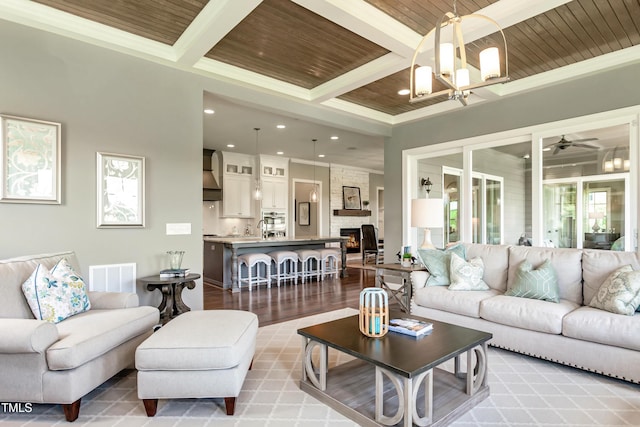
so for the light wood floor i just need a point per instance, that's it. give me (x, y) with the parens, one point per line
(293, 301)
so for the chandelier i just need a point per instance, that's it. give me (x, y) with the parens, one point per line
(450, 62)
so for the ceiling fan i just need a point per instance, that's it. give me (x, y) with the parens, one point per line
(563, 144)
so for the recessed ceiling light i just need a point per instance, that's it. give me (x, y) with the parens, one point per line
(230, 145)
(281, 126)
(526, 156)
(208, 111)
(404, 92)
(320, 155)
(546, 149)
(334, 137)
(280, 153)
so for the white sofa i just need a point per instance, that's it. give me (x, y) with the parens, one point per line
(42, 362)
(569, 332)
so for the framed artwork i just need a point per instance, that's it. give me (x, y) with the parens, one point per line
(303, 213)
(30, 170)
(120, 194)
(351, 197)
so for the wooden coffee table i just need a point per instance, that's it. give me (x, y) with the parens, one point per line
(416, 391)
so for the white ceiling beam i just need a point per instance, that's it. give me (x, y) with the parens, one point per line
(368, 22)
(213, 22)
(361, 76)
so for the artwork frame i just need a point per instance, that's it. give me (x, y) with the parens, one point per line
(30, 160)
(120, 193)
(304, 209)
(351, 198)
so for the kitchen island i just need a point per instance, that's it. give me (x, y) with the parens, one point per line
(221, 254)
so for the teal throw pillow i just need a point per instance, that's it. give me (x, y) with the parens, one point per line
(540, 283)
(437, 262)
(467, 276)
(619, 293)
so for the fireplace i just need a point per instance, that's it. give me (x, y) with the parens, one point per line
(353, 244)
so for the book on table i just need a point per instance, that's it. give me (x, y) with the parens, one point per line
(173, 272)
(413, 327)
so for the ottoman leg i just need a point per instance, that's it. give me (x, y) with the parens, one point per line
(150, 406)
(230, 404)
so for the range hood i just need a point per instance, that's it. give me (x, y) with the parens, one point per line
(211, 191)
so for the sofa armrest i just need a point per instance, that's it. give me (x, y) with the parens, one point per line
(419, 279)
(26, 335)
(113, 300)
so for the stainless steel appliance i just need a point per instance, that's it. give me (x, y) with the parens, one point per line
(274, 223)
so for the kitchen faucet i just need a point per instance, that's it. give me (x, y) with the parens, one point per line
(261, 227)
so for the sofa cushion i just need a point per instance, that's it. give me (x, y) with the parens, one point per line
(466, 303)
(437, 262)
(14, 272)
(64, 271)
(496, 263)
(597, 265)
(592, 324)
(525, 313)
(541, 283)
(466, 275)
(50, 298)
(93, 333)
(620, 292)
(567, 261)
(199, 340)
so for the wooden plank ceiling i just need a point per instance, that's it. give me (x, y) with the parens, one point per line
(287, 42)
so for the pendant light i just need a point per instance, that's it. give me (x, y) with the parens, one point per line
(313, 195)
(257, 192)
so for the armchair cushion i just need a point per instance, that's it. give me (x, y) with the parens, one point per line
(55, 297)
(26, 335)
(91, 334)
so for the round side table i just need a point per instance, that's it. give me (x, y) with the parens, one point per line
(171, 288)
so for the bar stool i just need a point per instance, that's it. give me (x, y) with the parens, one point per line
(286, 263)
(309, 258)
(329, 261)
(251, 261)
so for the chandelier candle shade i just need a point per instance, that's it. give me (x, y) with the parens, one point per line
(374, 312)
(427, 214)
(450, 65)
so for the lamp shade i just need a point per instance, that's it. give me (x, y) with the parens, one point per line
(427, 213)
(490, 63)
(423, 80)
(446, 58)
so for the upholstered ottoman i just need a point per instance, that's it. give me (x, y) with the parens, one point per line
(199, 354)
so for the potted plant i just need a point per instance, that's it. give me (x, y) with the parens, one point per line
(365, 205)
(406, 259)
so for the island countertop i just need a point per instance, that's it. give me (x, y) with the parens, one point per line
(221, 253)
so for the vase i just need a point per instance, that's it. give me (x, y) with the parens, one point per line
(374, 312)
(175, 259)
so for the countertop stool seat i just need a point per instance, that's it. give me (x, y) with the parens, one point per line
(199, 354)
(329, 261)
(286, 265)
(259, 261)
(310, 264)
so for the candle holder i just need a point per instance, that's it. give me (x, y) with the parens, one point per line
(374, 312)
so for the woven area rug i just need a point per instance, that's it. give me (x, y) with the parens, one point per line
(524, 392)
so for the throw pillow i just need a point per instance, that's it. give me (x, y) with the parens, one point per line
(619, 293)
(438, 262)
(467, 276)
(540, 283)
(54, 298)
(77, 289)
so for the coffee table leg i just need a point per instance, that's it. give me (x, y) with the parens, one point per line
(308, 370)
(407, 391)
(476, 376)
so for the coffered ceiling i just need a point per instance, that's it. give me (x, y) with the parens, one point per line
(347, 56)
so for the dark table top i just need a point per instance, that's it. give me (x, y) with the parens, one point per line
(157, 280)
(403, 354)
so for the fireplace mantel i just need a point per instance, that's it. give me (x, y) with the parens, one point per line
(351, 212)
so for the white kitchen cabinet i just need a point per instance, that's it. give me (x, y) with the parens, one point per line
(236, 196)
(274, 193)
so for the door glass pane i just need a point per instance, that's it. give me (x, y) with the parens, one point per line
(493, 224)
(452, 183)
(603, 218)
(559, 217)
(476, 210)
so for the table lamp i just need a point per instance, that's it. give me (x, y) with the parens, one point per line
(427, 214)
